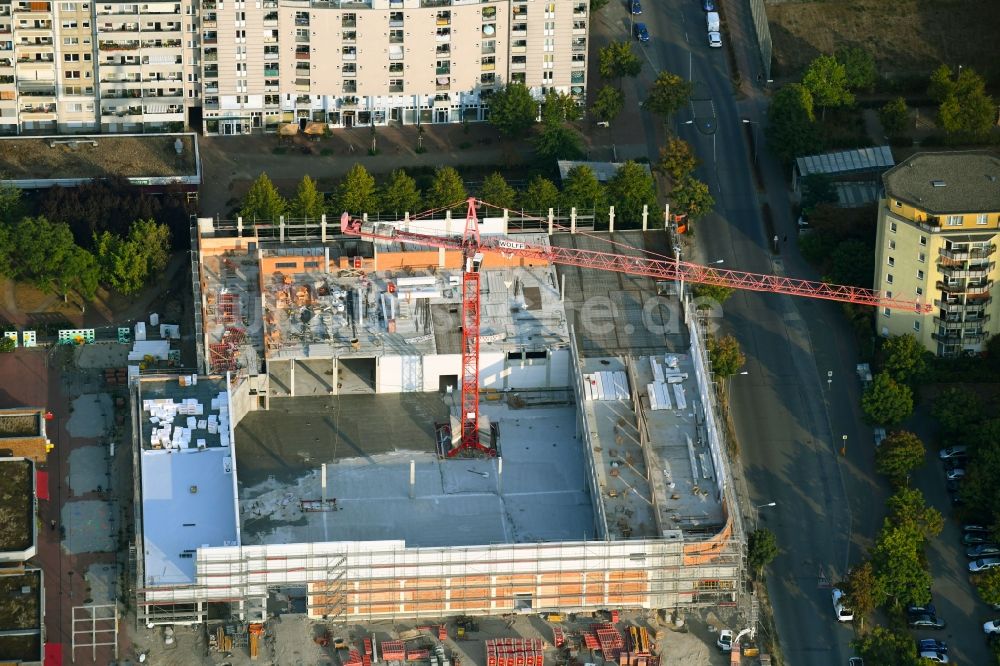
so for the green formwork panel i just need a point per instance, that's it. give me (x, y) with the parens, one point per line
(72, 336)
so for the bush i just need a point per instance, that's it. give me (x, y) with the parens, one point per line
(7, 345)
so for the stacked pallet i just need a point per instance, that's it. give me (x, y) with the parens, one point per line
(353, 658)
(610, 640)
(590, 641)
(393, 651)
(558, 637)
(638, 641)
(442, 632)
(514, 652)
(634, 659)
(417, 655)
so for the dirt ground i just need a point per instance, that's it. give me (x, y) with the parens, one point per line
(907, 37)
(23, 158)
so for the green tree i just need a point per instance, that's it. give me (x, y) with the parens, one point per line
(886, 402)
(817, 188)
(988, 585)
(863, 592)
(899, 564)
(725, 354)
(691, 197)
(558, 108)
(762, 548)
(263, 203)
(852, 262)
(608, 103)
(941, 85)
(496, 191)
(582, 189)
(12, 206)
(595, 5)
(980, 487)
(154, 239)
(400, 194)
(904, 357)
(956, 408)
(714, 292)
(129, 264)
(668, 93)
(826, 79)
(859, 67)
(44, 254)
(540, 195)
(907, 508)
(446, 189)
(308, 202)
(512, 110)
(617, 60)
(886, 646)
(629, 190)
(7, 345)
(357, 193)
(967, 111)
(558, 142)
(791, 125)
(899, 454)
(894, 116)
(677, 160)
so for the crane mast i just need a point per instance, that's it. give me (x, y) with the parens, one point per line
(473, 247)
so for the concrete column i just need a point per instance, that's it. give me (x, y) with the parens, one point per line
(413, 478)
(291, 380)
(645, 217)
(440, 257)
(572, 220)
(551, 220)
(666, 216)
(562, 288)
(334, 381)
(281, 228)
(239, 226)
(364, 217)
(506, 221)
(611, 219)
(326, 253)
(322, 237)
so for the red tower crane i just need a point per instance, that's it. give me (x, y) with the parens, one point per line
(472, 248)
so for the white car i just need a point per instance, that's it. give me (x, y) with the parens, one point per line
(984, 563)
(955, 474)
(843, 614)
(992, 627)
(953, 452)
(715, 40)
(725, 642)
(934, 656)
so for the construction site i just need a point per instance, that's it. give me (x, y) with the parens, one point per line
(332, 455)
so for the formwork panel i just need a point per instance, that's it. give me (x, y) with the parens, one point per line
(594, 582)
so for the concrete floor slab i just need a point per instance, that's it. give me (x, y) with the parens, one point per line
(92, 415)
(88, 470)
(89, 527)
(102, 579)
(104, 355)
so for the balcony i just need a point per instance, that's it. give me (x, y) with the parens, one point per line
(442, 71)
(109, 45)
(210, 57)
(210, 38)
(489, 48)
(576, 77)
(162, 44)
(41, 59)
(434, 3)
(579, 45)
(130, 93)
(34, 43)
(119, 27)
(973, 272)
(580, 9)
(209, 21)
(211, 72)
(442, 83)
(38, 108)
(301, 39)
(270, 71)
(488, 67)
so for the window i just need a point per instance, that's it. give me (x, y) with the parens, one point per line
(892, 245)
(920, 291)
(892, 261)
(72, 74)
(350, 68)
(396, 85)
(954, 220)
(395, 68)
(71, 57)
(888, 278)
(70, 41)
(898, 203)
(920, 275)
(395, 36)
(982, 218)
(892, 227)
(923, 241)
(921, 257)
(916, 326)
(886, 312)
(351, 20)
(350, 36)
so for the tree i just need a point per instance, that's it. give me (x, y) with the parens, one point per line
(308, 202)
(904, 357)
(582, 189)
(762, 548)
(512, 110)
(852, 263)
(957, 408)
(862, 590)
(725, 354)
(714, 292)
(496, 191)
(400, 194)
(558, 142)
(791, 126)
(154, 239)
(887, 646)
(263, 203)
(558, 108)
(980, 487)
(677, 160)
(859, 67)
(629, 190)
(899, 454)
(988, 585)
(11, 204)
(668, 93)
(941, 86)
(357, 193)
(817, 188)
(540, 195)
(128, 264)
(908, 508)
(967, 111)
(886, 402)
(894, 116)
(899, 564)
(7, 345)
(826, 79)
(618, 60)
(446, 189)
(44, 254)
(691, 197)
(608, 103)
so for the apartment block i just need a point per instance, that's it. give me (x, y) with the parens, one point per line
(938, 227)
(237, 66)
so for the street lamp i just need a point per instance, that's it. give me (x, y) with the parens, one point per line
(691, 122)
(843, 448)
(757, 512)
(753, 128)
(718, 261)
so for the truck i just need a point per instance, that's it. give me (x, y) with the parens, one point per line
(712, 21)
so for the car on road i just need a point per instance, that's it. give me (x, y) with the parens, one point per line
(636, 7)
(708, 5)
(715, 40)
(934, 657)
(641, 32)
(725, 642)
(984, 563)
(955, 474)
(926, 621)
(843, 614)
(953, 452)
(983, 550)
(931, 644)
(992, 627)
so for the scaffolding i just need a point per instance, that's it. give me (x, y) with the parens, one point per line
(224, 356)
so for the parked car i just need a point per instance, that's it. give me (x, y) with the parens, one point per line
(984, 563)
(636, 7)
(972, 527)
(982, 550)
(926, 621)
(953, 486)
(880, 435)
(641, 33)
(929, 609)
(725, 641)
(953, 452)
(992, 627)
(931, 644)
(934, 657)
(955, 474)
(973, 538)
(708, 5)
(855, 661)
(715, 40)
(843, 614)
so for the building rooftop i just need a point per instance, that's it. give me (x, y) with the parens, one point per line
(950, 182)
(603, 171)
(17, 504)
(21, 593)
(366, 444)
(76, 158)
(20, 423)
(846, 162)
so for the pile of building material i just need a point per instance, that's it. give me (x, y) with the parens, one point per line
(393, 650)
(611, 385)
(514, 652)
(163, 412)
(660, 389)
(606, 638)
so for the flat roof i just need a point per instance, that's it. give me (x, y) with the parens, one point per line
(73, 158)
(21, 615)
(17, 504)
(949, 182)
(859, 160)
(20, 423)
(367, 443)
(168, 406)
